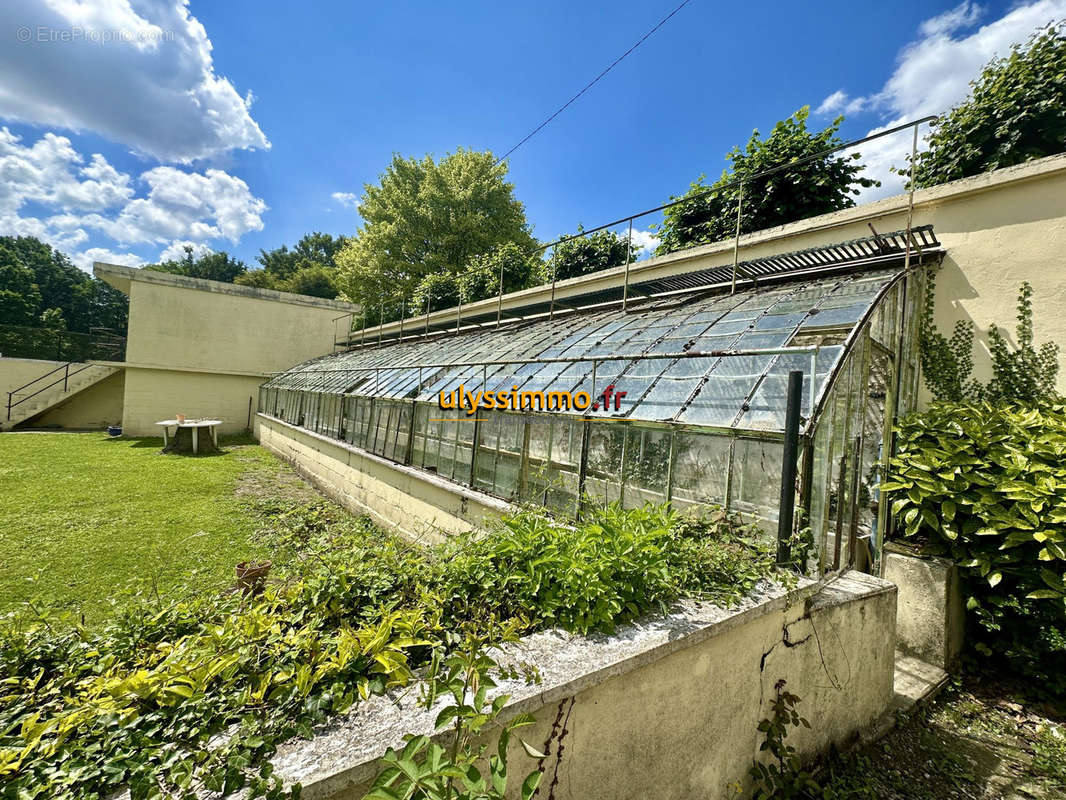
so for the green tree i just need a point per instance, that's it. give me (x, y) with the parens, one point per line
(19, 295)
(1016, 111)
(425, 217)
(220, 266)
(309, 268)
(316, 280)
(592, 253)
(84, 302)
(798, 192)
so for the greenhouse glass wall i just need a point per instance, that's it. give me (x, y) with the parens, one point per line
(696, 411)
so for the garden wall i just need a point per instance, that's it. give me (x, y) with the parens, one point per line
(202, 348)
(415, 503)
(664, 708)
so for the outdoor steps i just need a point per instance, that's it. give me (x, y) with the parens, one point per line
(54, 395)
(915, 681)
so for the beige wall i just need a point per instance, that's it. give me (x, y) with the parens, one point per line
(93, 408)
(15, 372)
(216, 331)
(202, 348)
(152, 395)
(673, 721)
(417, 504)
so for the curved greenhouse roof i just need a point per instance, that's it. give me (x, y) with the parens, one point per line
(697, 376)
(714, 360)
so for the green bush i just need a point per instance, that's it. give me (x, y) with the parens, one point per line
(196, 695)
(986, 486)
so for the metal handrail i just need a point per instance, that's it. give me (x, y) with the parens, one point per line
(67, 374)
(738, 181)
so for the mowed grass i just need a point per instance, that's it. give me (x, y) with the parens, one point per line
(85, 519)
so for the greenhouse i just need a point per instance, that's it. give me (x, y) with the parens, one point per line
(669, 390)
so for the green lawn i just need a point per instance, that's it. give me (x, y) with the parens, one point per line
(85, 519)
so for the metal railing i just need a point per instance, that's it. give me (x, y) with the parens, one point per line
(64, 379)
(376, 332)
(100, 344)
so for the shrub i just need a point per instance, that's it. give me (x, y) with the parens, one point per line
(986, 486)
(197, 694)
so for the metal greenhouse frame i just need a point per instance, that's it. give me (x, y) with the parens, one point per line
(704, 367)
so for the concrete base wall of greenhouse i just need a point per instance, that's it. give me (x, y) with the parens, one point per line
(666, 707)
(417, 504)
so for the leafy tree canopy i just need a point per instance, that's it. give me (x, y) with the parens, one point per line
(817, 187)
(309, 268)
(219, 266)
(426, 217)
(39, 286)
(1016, 111)
(480, 279)
(592, 253)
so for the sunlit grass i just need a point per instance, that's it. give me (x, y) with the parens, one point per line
(84, 519)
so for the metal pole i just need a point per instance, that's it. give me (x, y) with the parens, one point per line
(629, 251)
(555, 274)
(499, 299)
(814, 382)
(910, 199)
(403, 313)
(381, 316)
(429, 303)
(736, 241)
(786, 511)
(594, 381)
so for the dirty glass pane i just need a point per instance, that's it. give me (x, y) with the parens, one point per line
(603, 481)
(488, 433)
(647, 465)
(701, 469)
(756, 490)
(561, 481)
(509, 455)
(766, 409)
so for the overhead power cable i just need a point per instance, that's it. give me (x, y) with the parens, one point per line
(592, 83)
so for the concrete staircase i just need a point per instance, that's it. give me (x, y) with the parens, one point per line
(50, 390)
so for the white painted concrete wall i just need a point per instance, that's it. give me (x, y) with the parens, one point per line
(417, 504)
(666, 708)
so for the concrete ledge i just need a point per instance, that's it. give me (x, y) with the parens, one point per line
(419, 505)
(769, 240)
(120, 277)
(666, 707)
(931, 619)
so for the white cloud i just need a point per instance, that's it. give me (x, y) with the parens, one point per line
(53, 173)
(645, 241)
(85, 197)
(175, 251)
(962, 16)
(346, 199)
(933, 73)
(86, 258)
(833, 103)
(186, 205)
(138, 72)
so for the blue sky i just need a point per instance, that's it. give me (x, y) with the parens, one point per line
(237, 125)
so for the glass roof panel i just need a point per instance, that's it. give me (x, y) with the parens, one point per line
(746, 390)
